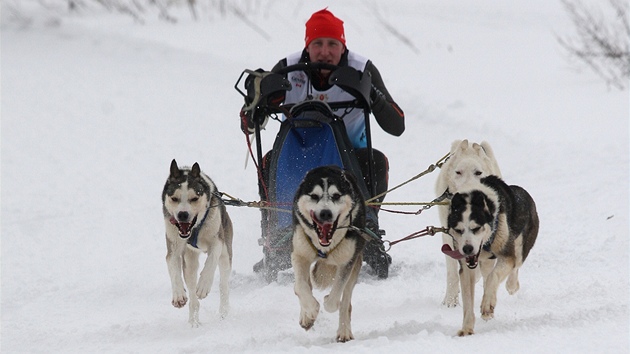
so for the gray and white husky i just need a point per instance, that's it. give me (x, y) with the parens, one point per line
(328, 219)
(493, 225)
(196, 221)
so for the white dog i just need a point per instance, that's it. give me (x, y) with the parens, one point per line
(467, 162)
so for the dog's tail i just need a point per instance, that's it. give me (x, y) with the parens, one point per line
(323, 275)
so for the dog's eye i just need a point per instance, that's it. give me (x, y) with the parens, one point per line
(194, 199)
(335, 197)
(314, 197)
(459, 173)
(478, 173)
(475, 230)
(175, 199)
(458, 231)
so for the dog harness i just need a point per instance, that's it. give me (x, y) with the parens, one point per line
(192, 240)
(486, 246)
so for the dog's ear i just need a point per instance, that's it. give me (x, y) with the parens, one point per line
(458, 205)
(195, 171)
(482, 201)
(463, 145)
(477, 149)
(490, 205)
(350, 179)
(455, 145)
(458, 202)
(175, 172)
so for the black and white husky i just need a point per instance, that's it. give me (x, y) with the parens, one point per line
(490, 222)
(328, 218)
(196, 221)
(468, 162)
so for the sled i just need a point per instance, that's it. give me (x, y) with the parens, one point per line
(312, 134)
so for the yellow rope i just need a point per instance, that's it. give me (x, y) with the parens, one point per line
(430, 169)
(407, 203)
(370, 202)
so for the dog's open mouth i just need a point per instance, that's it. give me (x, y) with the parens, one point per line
(324, 230)
(184, 227)
(471, 261)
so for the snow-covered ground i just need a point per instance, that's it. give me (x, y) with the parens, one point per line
(95, 106)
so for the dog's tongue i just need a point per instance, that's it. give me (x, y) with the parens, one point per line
(446, 249)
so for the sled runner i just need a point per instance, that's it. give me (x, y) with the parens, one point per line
(312, 134)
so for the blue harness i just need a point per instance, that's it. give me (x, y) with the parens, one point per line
(192, 240)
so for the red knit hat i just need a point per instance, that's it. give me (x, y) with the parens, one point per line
(324, 24)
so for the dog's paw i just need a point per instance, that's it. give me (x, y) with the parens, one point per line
(488, 302)
(179, 298)
(512, 286)
(450, 300)
(308, 316)
(330, 304)
(224, 310)
(203, 288)
(344, 335)
(194, 322)
(465, 332)
(487, 312)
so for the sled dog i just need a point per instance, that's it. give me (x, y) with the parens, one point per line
(196, 221)
(467, 162)
(328, 219)
(490, 222)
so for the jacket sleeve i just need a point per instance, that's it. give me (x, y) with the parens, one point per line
(387, 113)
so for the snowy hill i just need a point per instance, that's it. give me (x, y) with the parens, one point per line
(95, 106)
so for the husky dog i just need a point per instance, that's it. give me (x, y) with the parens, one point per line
(196, 221)
(490, 221)
(328, 218)
(467, 162)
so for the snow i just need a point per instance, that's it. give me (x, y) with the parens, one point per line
(95, 106)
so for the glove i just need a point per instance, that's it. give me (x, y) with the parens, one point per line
(377, 99)
(264, 89)
(247, 122)
(251, 88)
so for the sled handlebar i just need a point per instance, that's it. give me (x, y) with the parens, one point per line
(306, 67)
(356, 83)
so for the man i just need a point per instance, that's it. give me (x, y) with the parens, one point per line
(325, 42)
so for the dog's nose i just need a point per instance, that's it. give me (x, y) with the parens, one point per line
(325, 215)
(468, 249)
(182, 216)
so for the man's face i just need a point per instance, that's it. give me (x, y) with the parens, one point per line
(326, 50)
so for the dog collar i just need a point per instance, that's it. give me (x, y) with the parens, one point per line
(320, 253)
